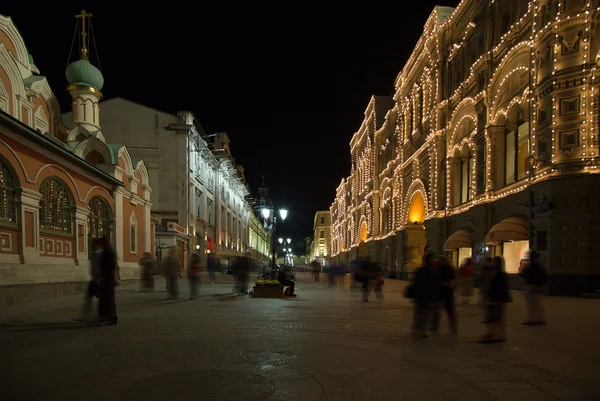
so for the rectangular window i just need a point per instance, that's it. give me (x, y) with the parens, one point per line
(510, 158)
(522, 151)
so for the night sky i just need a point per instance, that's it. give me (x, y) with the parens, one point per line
(289, 85)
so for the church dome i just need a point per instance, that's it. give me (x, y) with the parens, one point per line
(82, 72)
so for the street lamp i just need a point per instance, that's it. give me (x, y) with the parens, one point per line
(283, 214)
(265, 213)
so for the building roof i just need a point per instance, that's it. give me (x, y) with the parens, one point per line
(55, 146)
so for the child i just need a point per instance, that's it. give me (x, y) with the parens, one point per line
(379, 286)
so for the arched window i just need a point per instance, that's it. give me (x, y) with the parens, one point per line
(133, 233)
(516, 148)
(8, 195)
(56, 206)
(99, 221)
(465, 179)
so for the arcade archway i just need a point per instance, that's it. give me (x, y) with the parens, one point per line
(363, 231)
(416, 241)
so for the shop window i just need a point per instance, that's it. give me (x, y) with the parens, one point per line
(56, 206)
(513, 252)
(8, 195)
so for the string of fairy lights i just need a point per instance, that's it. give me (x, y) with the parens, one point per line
(419, 107)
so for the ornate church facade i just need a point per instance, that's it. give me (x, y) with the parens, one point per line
(489, 145)
(60, 188)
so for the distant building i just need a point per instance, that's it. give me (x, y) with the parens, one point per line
(260, 241)
(321, 241)
(60, 189)
(199, 191)
(488, 147)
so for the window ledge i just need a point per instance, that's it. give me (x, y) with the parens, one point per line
(56, 233)
(8, 224)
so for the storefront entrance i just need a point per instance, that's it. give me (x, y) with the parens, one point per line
(416, 240)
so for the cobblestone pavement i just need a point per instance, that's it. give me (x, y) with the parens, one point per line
(326, 344)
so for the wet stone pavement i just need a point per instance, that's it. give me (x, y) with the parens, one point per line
(326, 344)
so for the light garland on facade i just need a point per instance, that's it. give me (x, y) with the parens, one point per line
(419, 100)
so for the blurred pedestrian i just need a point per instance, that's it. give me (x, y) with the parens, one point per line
(109, 279)
(497, 296)
(536, 278)
(93, 287)
(379, 283)
(172, 271)
(424, 291)
(466, 273)
(445, 296)
(148, 269)
(212, 262)
(194, 275)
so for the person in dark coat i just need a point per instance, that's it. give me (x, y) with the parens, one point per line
(445, 299)
(536, 278)
(425, 288)
(497, 296)
(107, 307)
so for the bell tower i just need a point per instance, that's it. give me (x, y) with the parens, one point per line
(85, 80)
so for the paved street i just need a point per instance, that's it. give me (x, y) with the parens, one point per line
(324, 345)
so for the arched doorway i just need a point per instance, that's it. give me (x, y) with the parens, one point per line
(99, 221)
(415, 230)
(363, 231)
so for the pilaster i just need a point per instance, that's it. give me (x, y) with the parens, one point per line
(81, 243)
(30, 218)
(147, 228)
(119, 224)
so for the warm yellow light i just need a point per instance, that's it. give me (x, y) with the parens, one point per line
(416, 212)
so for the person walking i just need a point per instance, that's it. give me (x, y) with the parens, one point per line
(447, 282)
(172, 271)
(194, 275)
(94, 284)
(536, 278)
(243, 267)
(496, 298)
(212, 261)
(147, 270)
(109, 278)
(467, 278)
(423, 290)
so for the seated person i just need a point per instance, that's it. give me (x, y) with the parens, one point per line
(283, 278)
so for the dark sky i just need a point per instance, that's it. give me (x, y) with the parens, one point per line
(289, 85)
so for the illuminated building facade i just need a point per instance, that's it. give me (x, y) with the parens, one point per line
(259, 241)
(321, 242)
(59, 188)
(488, 147)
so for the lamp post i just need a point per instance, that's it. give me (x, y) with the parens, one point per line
(266, 213)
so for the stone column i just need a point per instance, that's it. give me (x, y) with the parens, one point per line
(147, 227)
(81, 243)
(30, 225)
